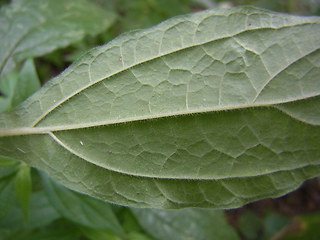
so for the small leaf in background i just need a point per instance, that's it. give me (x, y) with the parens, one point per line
(23, 187)
(128, 221)
(250, 225)
(30, 28)
(17, 86)
(8, 167)
(6, 195)
(191, 224)
(98, 234)
(6, 162)
(41, 213)
(7, 88)
(57, 230)
(273, 223)
(139, 236)
(81, 209)
(28, 82)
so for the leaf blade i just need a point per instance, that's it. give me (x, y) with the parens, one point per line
(131, 94)
(89, 74)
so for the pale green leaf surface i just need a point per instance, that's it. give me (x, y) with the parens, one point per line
(307, 111)
(191, 224)
(141, 121)
(31, 28)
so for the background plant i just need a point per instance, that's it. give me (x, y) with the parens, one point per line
(97, 219)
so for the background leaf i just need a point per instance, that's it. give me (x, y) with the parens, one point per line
(82, 209)
(60, 229)
(16, 87)
(184, 224)
(41, 214)
(23, 187)
(30, 28)
(7, 162)
(98, 234)
(6, 193)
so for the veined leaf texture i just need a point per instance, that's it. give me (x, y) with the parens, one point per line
(213, 109)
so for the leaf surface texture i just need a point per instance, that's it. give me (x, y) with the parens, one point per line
(213, 109)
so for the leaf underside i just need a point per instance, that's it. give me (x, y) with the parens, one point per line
(214, 109)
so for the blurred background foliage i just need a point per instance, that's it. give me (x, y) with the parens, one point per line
(50, 211)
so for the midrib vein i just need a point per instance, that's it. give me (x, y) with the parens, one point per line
(5, 132)
(58, 103)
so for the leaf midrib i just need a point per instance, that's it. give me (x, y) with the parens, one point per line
(5, 132)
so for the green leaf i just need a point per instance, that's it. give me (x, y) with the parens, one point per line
(7, 162)
(273, 224)
(98, 234)
(82, 209)
(60, 229)
(9, 170)
(18, 86)
(250, 225)
(138, 236)
(41, 214)
(196, 111)
(28, 83)
(7, 86)
(128, 221)
(30, 28)
(23, 187)
(6, 196)
(183, 224)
